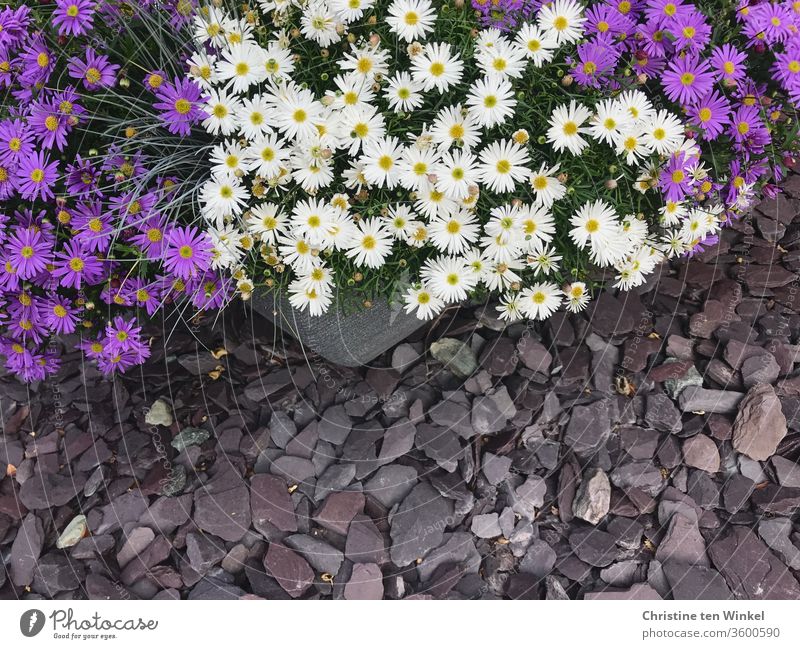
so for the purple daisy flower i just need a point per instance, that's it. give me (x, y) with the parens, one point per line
(16, 142)
(66, 102)
(748, 130)
(675, 181)
(111, 363)
(35, 176)
(211, 291)
(29, 252)
(604, 20)
(654, 40)
(152, 236)
(6, 75)
(659, 11)
(59, 315)
(690, 29)
(122, 335)
(50, 126)
(154, 80)
(712, 114)
(773, 19)
(146, 295)
(504, 15)
(595, 60)
(94, 226)
(13, 24)
(787, 67)
(75, 266)
(28, 326)
(7, 189)
(650, 66)
(188, 252)
(37, 63)
(73, 17)
(687, 79)
(728, 63)
(181, 12)
(179, 104)
(95, 72)
(83, 177)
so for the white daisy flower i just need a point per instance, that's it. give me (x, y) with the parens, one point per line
(431, 202)
(456, 174)
(253, 118)
(222, 197)
(454, 234)
(310, 219)
(577, 296)
(297, 252)
(596, 225)
(547, 188)
(348, 11)
(268, 155)
(609, 121)
(637, 104)
(241, 66)
(210, 25)
(400, 221)
(370, 244)
(536, 224)
(318, 23)
(229, 159)
(278, 62)
(295, 111)
(499, 277)
(491, 100)
(543, 259)
(416, 167)
(317, 302)
(449, 278)
(403, 93)
(203, 70)
(411, 20)
(361, 126)
(266, 222)
(509, 307)
(381, 162)
(632, 144)
(563, 19)
(221, 109)
(504, 60)
(540, 301)
(663, 132)
(351, 90)
(566, 128)
(539, 45)
(424, 302)
(456, 126)
(367, 61)
(503, 164)
(437, 67)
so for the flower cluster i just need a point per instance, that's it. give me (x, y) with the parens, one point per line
(77, 231)
(365, 137)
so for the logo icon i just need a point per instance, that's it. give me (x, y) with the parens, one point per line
(31, 622)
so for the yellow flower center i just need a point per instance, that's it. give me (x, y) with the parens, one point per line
(592, 226)
(37, 175)
(154, 235)
(704, 114)
(437, 69)
(59, 311)
(687, 78)
(503, 166)
(411, 18)
(678, 176)
(186, 252)
(76, 264)
(368, 242)
(385, 162)
(560, 23)
(93, 75)
(183, 106)
(42, 60)
(570, 128)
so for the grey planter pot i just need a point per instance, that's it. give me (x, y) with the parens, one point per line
(343, 339)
